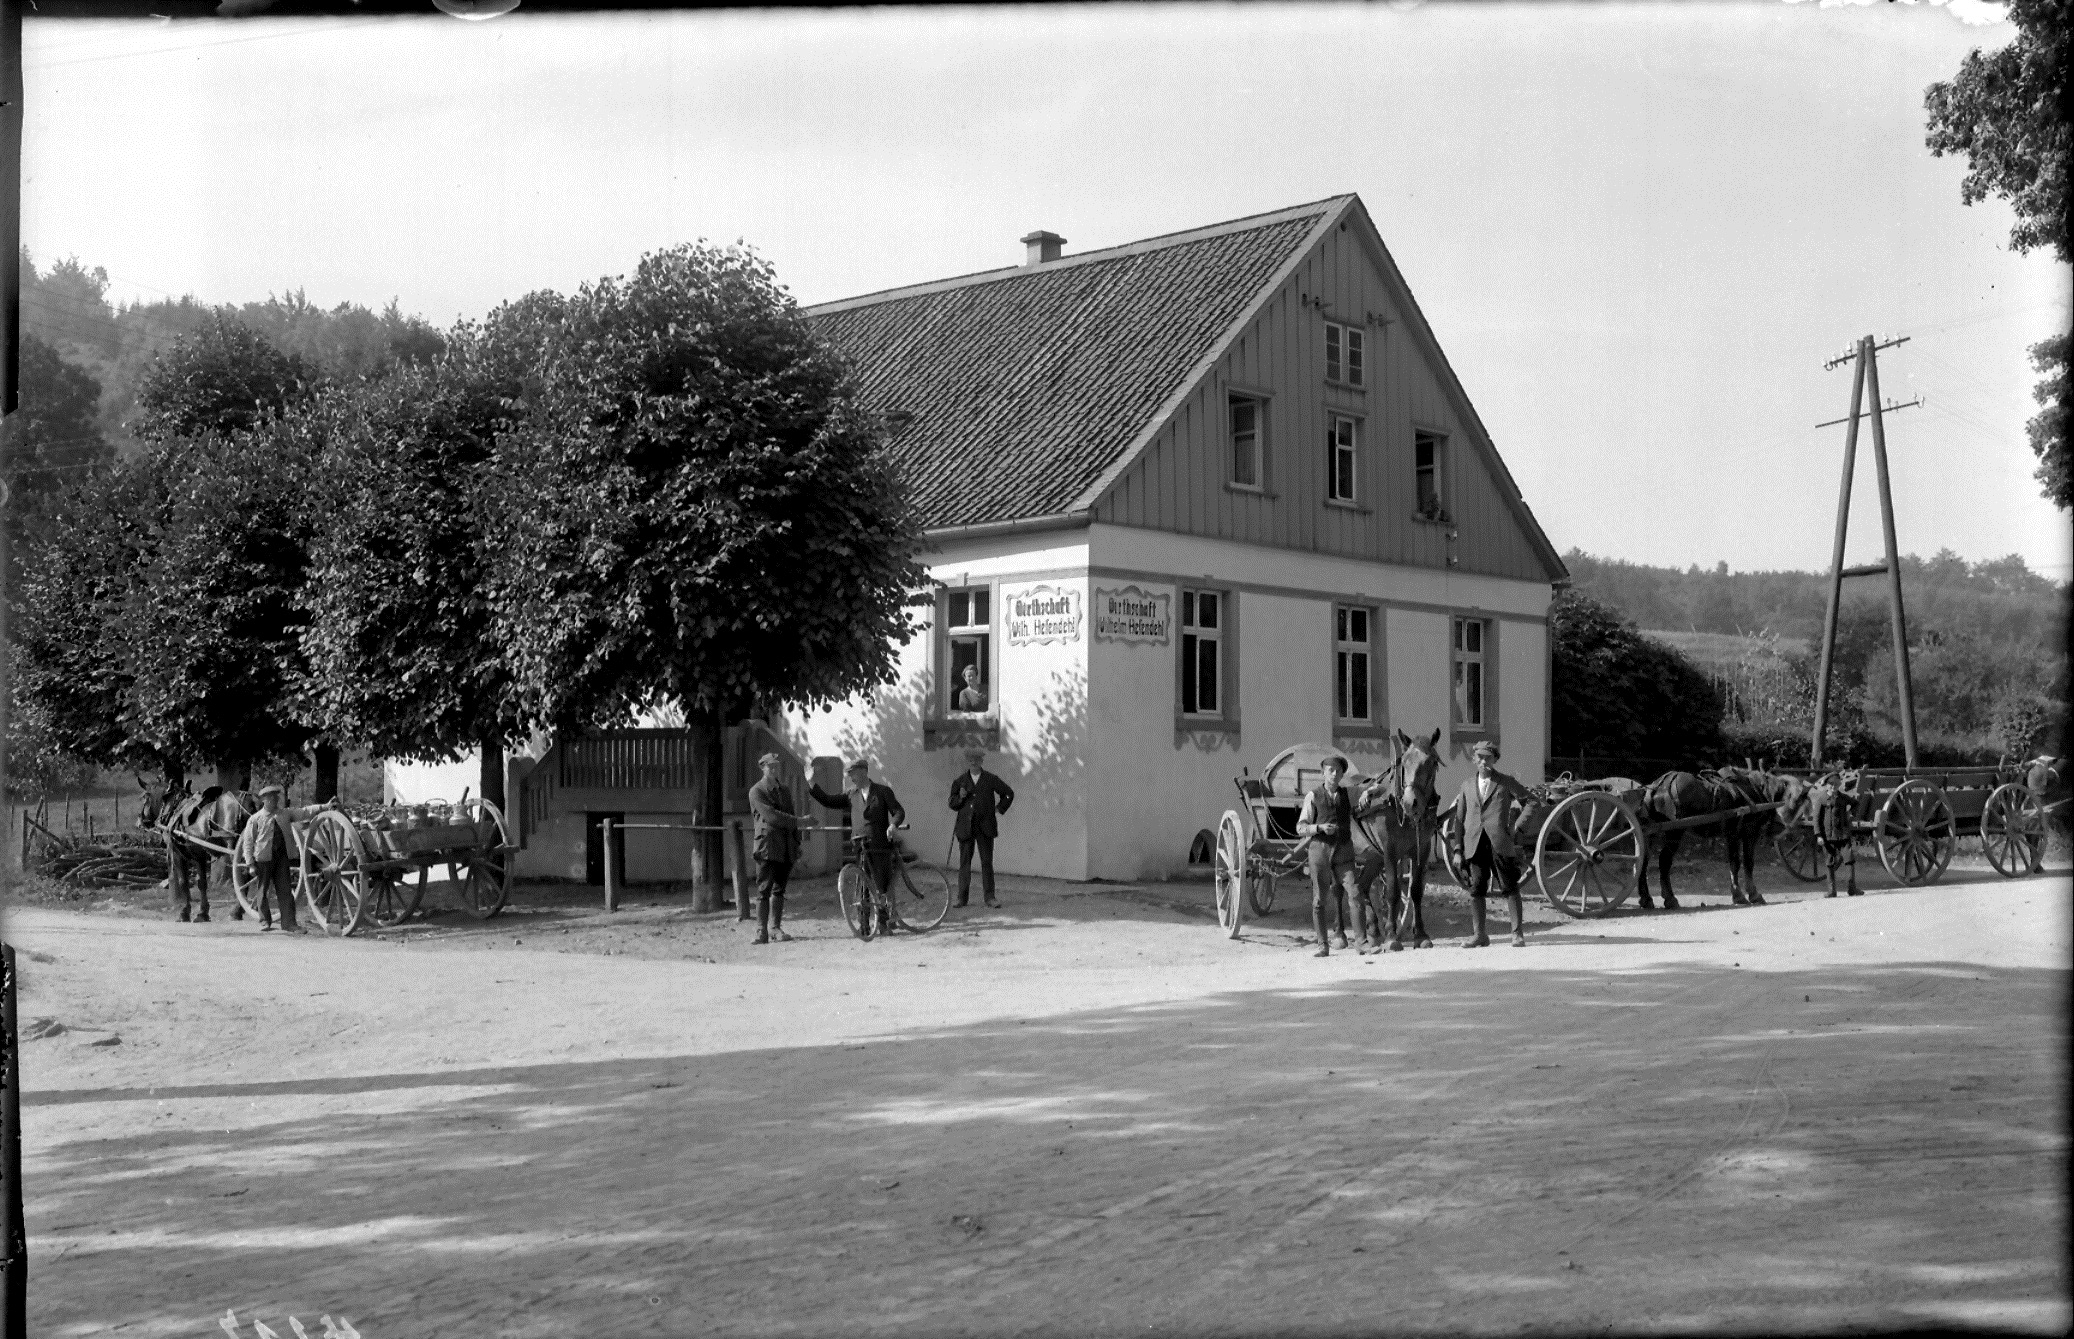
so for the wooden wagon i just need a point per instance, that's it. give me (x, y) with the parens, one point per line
(357, 869)
(1590, 840)
(1915, 817)
(1257, 842)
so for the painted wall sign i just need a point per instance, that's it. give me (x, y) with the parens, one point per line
(1130, 614)
(1042, 613)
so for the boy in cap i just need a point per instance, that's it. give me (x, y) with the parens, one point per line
(1327, 822)
(1484, 811)
(267, 844)
(777, 847)
(980, 798)
(874, 811)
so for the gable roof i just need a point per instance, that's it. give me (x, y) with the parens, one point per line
(1025, 385)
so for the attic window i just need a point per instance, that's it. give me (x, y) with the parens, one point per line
(1247, 425)
(1345, 354)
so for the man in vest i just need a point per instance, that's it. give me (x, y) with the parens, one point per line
(1484, 813)
(875, 811)
(777, 846)
(268, 846)
(1327, 823)
(980, 798)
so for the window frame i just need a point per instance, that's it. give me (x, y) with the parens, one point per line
(1233, 397)
(1346, 355)
(1334, 420)
(950, 635)
(1226, 718)
(1369, 648)
(1439, 515)
(1487, 678)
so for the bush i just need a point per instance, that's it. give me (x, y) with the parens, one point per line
(1619, 694)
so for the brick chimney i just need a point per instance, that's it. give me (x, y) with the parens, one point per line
(1041, 247)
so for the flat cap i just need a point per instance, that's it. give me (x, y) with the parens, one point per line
(270, 788)
(1484, 749)
(768, 759)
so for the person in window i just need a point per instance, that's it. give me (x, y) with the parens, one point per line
(979, 797)
(874, 811)
(1484, 814)
(972, 697)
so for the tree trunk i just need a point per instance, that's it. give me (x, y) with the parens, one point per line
(327, 773)
(706, 867)
(492, 786)
(234, 775)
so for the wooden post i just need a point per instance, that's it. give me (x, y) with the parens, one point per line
(1836, 561)
(611, 870)
(1894, 610)
(741, 871)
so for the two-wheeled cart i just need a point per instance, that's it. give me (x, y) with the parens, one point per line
(1257, 843)
(357, 869)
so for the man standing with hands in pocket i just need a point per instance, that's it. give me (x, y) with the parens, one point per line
(1484, 808)
(980, 798)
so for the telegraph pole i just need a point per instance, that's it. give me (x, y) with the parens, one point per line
(1866, 374)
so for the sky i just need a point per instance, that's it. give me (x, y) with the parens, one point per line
(1638, 231)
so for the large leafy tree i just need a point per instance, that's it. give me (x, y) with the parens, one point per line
(696, 511)
(1618, 694)
(221, 377)
(54, 434)
(2007, 112)
(401, 649)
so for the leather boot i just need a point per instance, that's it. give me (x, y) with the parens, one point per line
(1318, 924)
(1519, 936)
(185, 914)
(1477, 937)
(778, 920)
(763, 920)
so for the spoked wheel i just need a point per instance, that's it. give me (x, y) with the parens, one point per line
(850, 885)
(1799, 853)
(1231, 873)
(1447, 839)
(244, 882)
(483, 873)
(392, 901)
(923, 898)
(2012, 830)
(1914, 831)
(334, 884)
(1260, 889)
(1590, 850)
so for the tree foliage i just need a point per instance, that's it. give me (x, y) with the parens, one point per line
(224, 377)
(2006, 111)
(2048, 427)
(695, 508)
(53, 434)
(1616, 693)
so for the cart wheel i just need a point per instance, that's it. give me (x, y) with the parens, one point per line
(1261, 888)
(391, 902)
(1588, 854)
(485, 874)
(924, 896)
(2012, 830)
(244, 883)
(333, 884)
(1914, 831)
(1446, 839)
(1799, 853)
(1231, 873)
(849, 891)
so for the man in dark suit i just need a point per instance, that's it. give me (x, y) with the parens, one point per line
(777, 846)
(980, 798)
(1484, 811)
(874, 811)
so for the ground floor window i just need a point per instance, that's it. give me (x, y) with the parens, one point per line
(968, 628)
(1350, 655)
(1469, 678)
(1202, 645)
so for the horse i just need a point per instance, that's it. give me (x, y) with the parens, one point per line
(196, 829)
(1404, 798)
(1678, 795)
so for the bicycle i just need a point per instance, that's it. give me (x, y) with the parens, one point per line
(917, 900)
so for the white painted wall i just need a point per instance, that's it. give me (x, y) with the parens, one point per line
(423, 782)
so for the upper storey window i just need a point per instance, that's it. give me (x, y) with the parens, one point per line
(1346, 354)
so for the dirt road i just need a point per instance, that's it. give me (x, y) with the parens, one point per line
(1086, 1113)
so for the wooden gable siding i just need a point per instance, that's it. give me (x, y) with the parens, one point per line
(1179, 482)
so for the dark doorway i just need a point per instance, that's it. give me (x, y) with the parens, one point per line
(594, 848)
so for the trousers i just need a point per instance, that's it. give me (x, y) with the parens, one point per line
(771, 878)
(1487, 862)
(985, 846)
(272, 878)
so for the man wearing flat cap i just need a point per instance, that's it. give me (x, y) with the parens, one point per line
(267, 845)
(1327, 824)
(777, 847)
(874, 811)
(1484, 813)
(980, 798)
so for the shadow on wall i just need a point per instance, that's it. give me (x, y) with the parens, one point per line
(1048, 741)
(893, 727)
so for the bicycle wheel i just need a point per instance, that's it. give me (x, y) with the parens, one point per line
(923, 898)
(850, 892)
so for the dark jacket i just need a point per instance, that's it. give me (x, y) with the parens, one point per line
(881, 811)
(777, 829)
(1489, 820)
(979, 803)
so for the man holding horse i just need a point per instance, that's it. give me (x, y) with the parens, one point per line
(1484, 813)
(268, 844)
